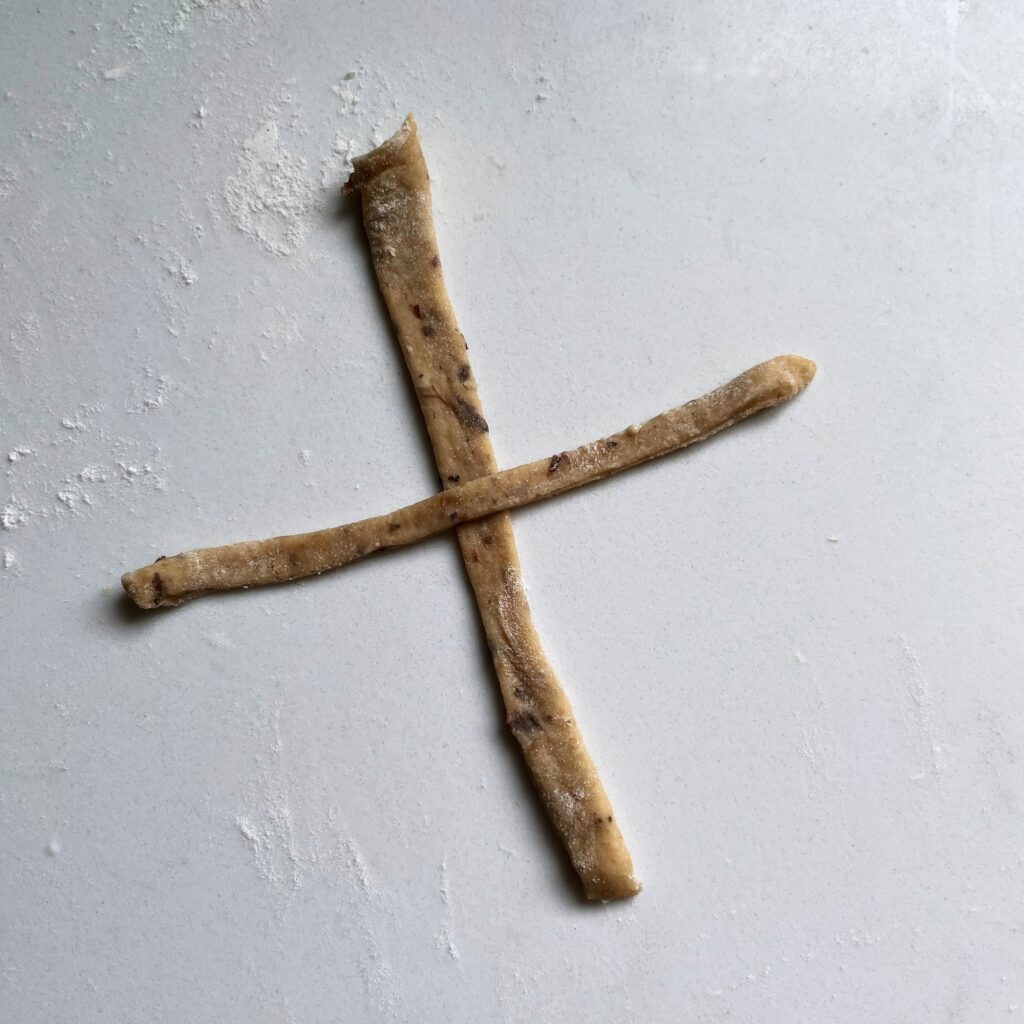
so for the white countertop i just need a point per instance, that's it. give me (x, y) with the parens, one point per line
(795, 651)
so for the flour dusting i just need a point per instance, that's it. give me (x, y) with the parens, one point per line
(13, 516)
(8, 182)
(179, 268)
(444, 940)
(293, 843)
(366, 107)
(298, 846)
(79, 466)
(337, 166)
(923, 714)
(269, 197)
(218, 9)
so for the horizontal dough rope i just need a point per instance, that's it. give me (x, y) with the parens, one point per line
(169, 581)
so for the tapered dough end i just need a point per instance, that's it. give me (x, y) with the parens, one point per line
(801, 368)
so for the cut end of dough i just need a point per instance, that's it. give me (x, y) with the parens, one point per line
(148, 589)
(386, 154)
(133, 588)
(603, 889)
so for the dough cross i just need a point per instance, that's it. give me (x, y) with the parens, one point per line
(397, 215)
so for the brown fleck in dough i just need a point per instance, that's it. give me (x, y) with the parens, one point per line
(468, 415)
(399, 225)
(524, 723)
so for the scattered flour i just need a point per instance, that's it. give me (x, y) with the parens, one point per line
(282, 332)
(293, 843)
(270, 197)
(25, 332)
(337, 166)
(924, 735)
(217, 9)
(78, 467)
(150, 393)
(94, 475)
(348, 95)
(271, 838)
(544, 89)
(444, 941)
(365, 99)
(179, 268)
(299, 846)
(218, 640)
(8, 182)
(13, 516)
(72, 498)
(133, 472)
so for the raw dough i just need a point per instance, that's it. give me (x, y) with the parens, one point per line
(399, 225)
(169, 581)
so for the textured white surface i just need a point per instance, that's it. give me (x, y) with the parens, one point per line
(795, 652)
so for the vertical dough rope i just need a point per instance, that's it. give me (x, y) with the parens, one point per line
(399, 224)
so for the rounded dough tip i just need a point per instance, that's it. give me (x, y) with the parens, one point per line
(804, 369)
(131, 586)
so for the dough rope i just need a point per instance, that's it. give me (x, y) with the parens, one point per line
(169, 581)
(398, 219)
